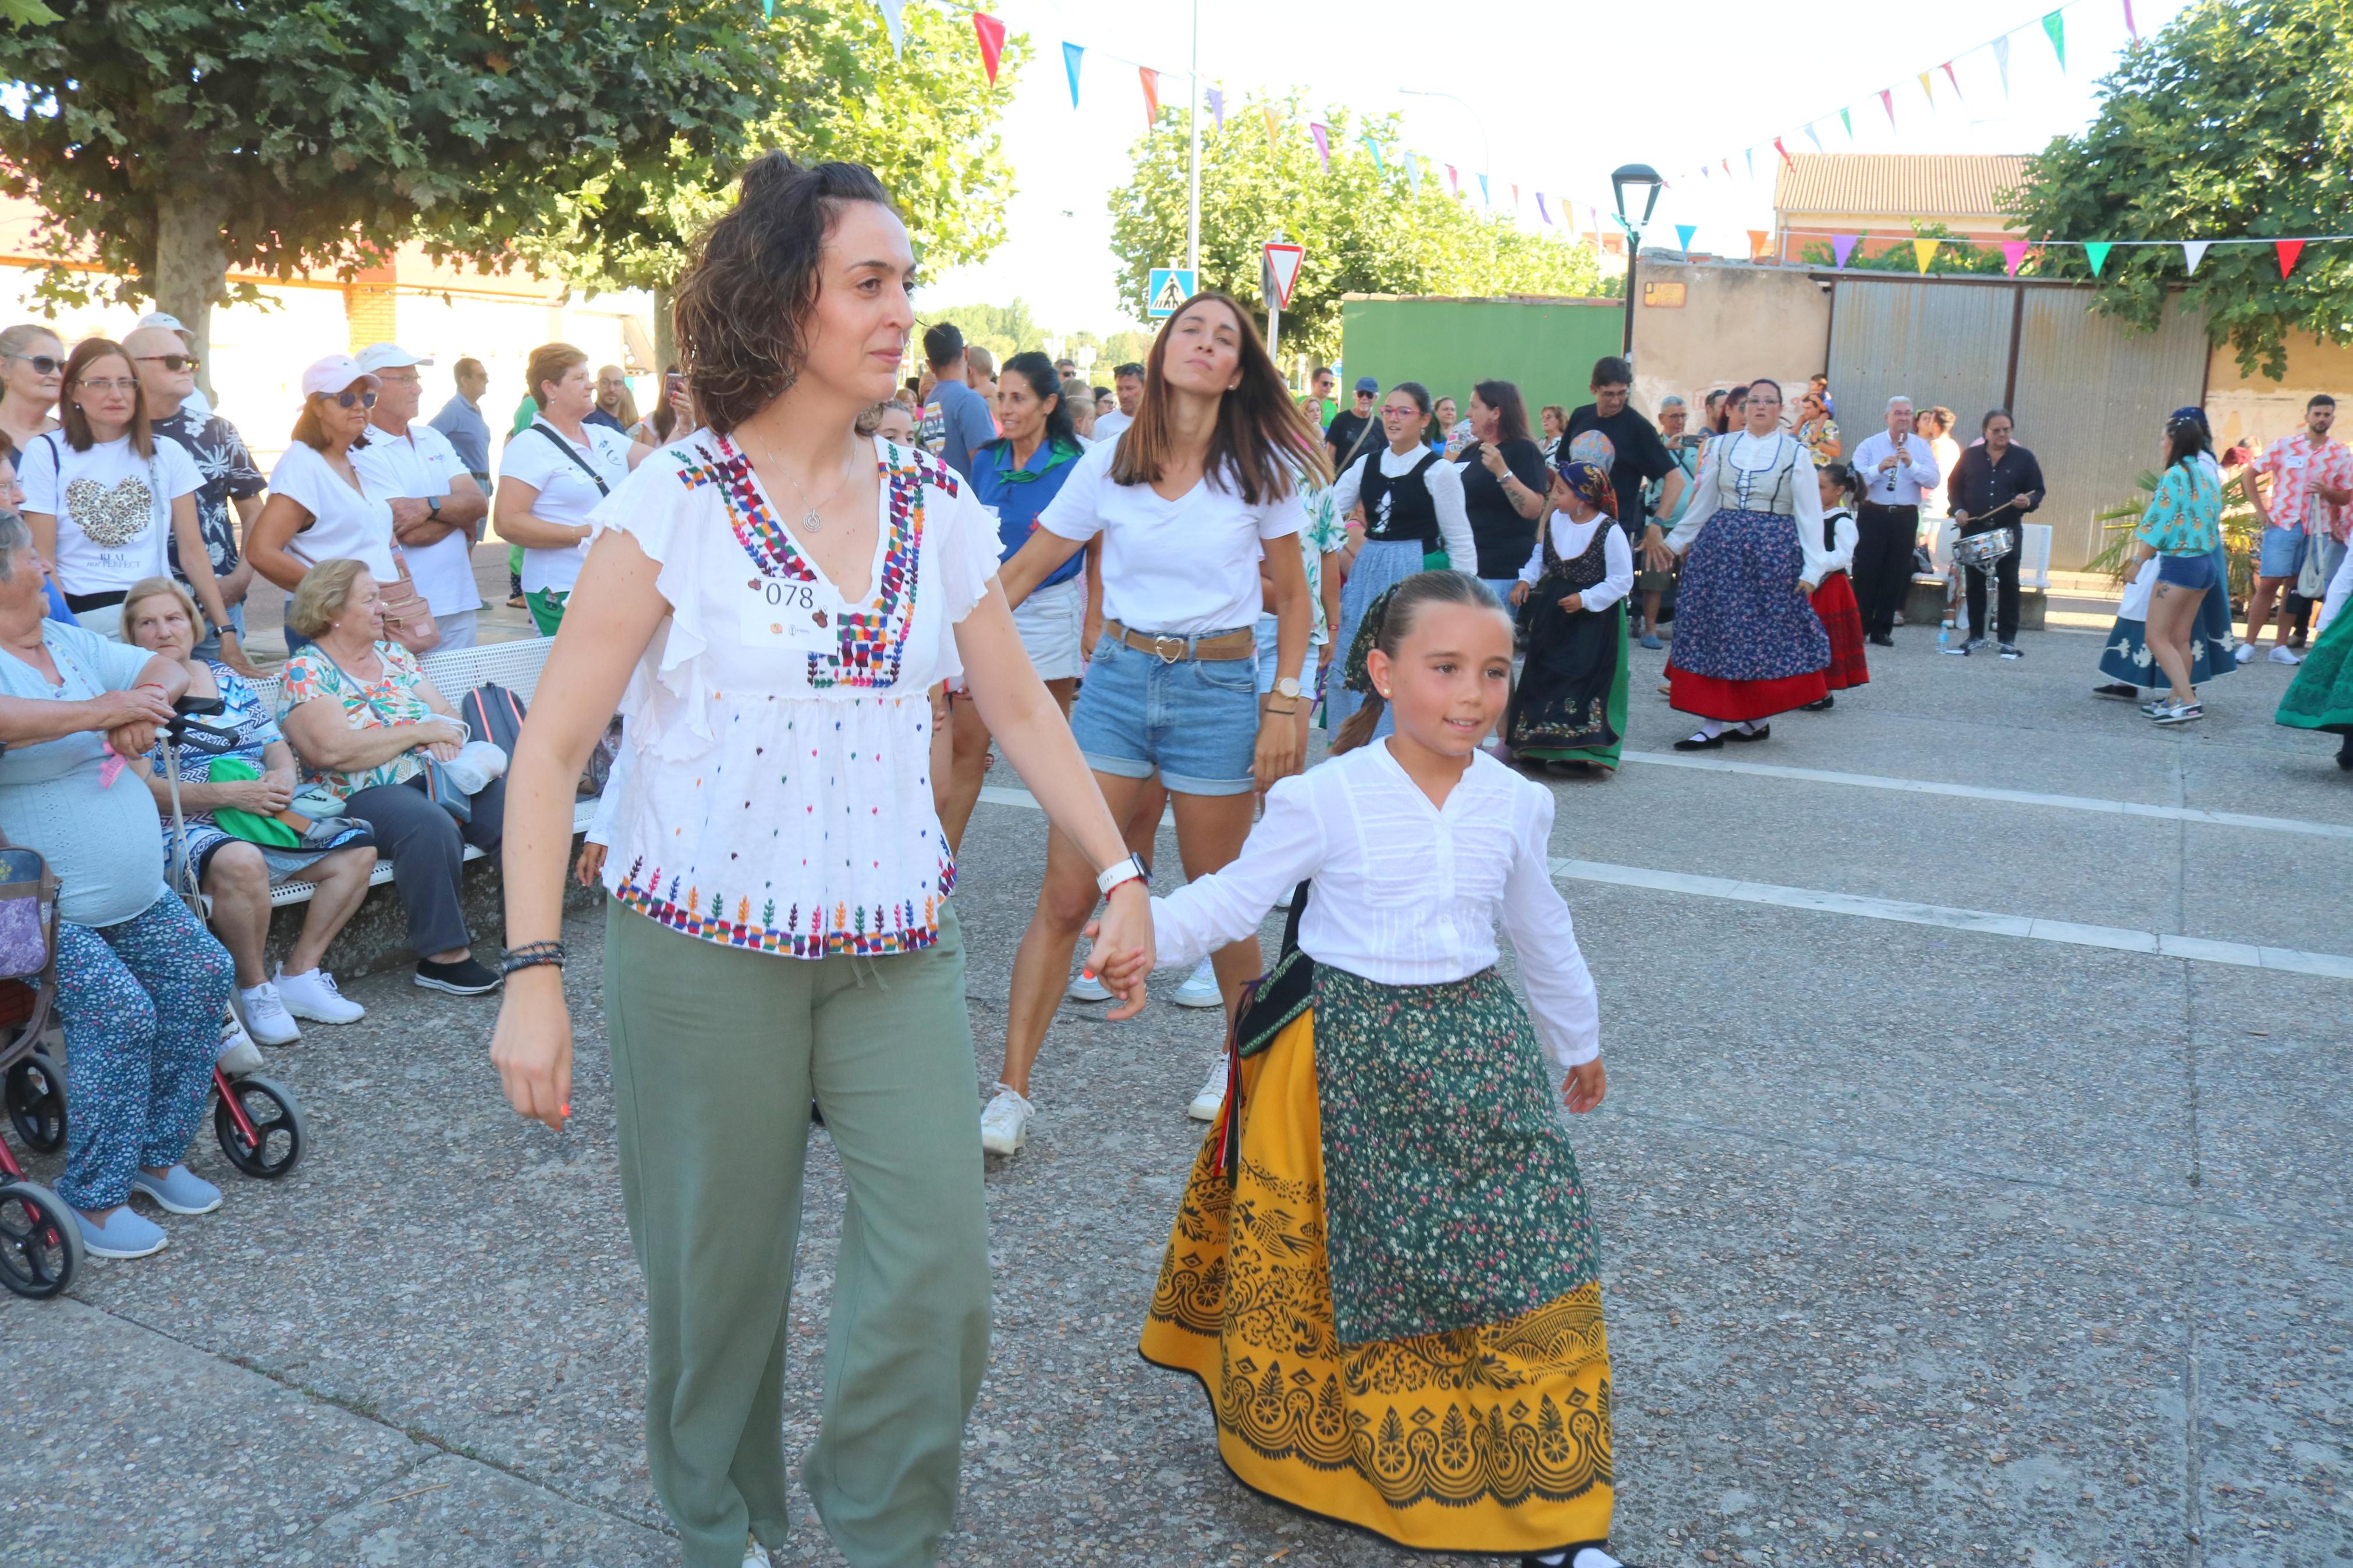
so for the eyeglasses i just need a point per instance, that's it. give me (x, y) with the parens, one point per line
(109, 383)
(173, 362)
(43, 364)
(355, 399)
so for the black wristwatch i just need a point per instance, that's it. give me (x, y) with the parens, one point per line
(433, 509)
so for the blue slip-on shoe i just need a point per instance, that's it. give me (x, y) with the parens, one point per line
(1651, 639)
(181, 1190)
(124, 1235)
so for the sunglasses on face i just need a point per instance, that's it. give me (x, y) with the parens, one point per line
(43, 364)
(173, 362)
(355, 400)
(108, 384)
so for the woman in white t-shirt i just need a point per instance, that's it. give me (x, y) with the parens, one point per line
(1186, 503)
(103, 496)
(778, 596)
(320, 507)
(552, 474)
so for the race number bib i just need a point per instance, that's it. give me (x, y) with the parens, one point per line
(782, 613)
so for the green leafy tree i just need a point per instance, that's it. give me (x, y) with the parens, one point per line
(1954, 255)
(1366, 229)
(2236, 120)
(828, 87)
(1003, 329)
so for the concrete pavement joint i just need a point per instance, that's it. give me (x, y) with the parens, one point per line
(2009, 797)
(2163, 944)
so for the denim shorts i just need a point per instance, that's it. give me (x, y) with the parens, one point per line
(1195, 719)
(1269, 658)
(2186, 571)
(2283, 552)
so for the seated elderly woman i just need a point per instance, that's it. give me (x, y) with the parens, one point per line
(234, 798)
(141, 986)
(365, 719)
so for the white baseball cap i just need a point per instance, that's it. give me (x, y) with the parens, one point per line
(390, 356)
(334, 373)
(158, 319)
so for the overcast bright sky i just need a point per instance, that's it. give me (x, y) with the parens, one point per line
(1566, 94)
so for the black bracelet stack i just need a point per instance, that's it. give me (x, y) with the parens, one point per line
(531, 956)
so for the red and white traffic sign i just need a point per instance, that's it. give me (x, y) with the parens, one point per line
(1282, 261)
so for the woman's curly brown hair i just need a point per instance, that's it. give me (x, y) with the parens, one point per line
(744, 298)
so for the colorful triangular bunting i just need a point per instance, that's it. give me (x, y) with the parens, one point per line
(2096, 253)
(1887, 102)
(2193, 251)
(1071, 55)
(2054, 25)
(1217, 96)
(1792, 162)
(1947, 68)
(1322, 135)
(2013, 256)
(1924, 251)
(1842, 245)
(992, 42)
(1684, 232)
(2287, 250)
(2001, 62)
(1151, 80)
(1847, 120)
(894, 22)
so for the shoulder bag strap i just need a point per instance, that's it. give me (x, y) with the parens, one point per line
(579, 462)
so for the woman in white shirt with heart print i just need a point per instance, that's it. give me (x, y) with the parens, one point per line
(102, 495)
(770, 601)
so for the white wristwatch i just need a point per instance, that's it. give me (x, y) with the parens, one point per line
(1131, 869)
(1288, 686)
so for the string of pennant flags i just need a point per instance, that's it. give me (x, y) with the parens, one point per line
(991, 34)
(2052, 25)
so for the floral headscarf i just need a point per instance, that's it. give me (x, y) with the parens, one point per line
(1589, 482)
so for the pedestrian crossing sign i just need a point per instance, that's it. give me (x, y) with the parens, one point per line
(1170, 288)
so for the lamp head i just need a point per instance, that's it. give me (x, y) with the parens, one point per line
(1645, 183)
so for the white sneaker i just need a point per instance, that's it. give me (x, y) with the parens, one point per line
(2244, 653)
(265, 1016)
(1206, 1104)
(1087, 988)
(2282, 654)
(755, 1554)
(1201, 990)
(1005, 1122)
(314, 996)
(237, 1054)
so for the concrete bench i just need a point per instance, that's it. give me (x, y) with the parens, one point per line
(377, 937)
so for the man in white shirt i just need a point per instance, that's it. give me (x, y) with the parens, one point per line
(438, 507)
(1893, 467)
(1127, 385)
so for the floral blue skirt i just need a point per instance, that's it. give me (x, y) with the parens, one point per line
(1381, 564)
(1739, 614)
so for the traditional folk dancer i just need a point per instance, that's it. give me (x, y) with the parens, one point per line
(1834, 601)
(778, 597)
(1747, 642)
(1412, 499)
(1383, 1268)
(1570, 706)
(2321, 695)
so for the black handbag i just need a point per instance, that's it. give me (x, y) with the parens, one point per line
(1269, 1004)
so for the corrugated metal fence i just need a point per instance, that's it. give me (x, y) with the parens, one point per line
(2088, 395)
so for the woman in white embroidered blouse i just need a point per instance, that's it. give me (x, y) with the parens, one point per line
(1189, 503)
(1392, 1159)
(778, 596)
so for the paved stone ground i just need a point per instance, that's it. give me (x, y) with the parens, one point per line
(1922, 1245)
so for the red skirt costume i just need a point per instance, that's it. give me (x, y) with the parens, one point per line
(1842, 618)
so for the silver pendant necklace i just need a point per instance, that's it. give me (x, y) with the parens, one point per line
(812, 521)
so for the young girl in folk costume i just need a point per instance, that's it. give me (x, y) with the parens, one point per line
(1570, 705)
(1383, 1268)
(1834, 600)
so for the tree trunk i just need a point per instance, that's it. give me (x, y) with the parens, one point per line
(665, 333)
(191, 265)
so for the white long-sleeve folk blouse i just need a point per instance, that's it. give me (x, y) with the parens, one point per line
(1758, 473)
(1571, 538)
(1406, 893)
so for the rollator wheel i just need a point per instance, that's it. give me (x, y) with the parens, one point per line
(277, 1142)
(40, 1243)
(35, 1093)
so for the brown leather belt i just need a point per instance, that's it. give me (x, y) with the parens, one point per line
(1171, 649)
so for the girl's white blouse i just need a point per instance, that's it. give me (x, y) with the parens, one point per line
(778, 794)
(1406, 893)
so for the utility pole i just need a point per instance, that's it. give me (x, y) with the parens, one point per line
(1193, 174)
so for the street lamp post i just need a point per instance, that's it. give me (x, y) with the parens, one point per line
(1645, 181)
(1193, 160)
